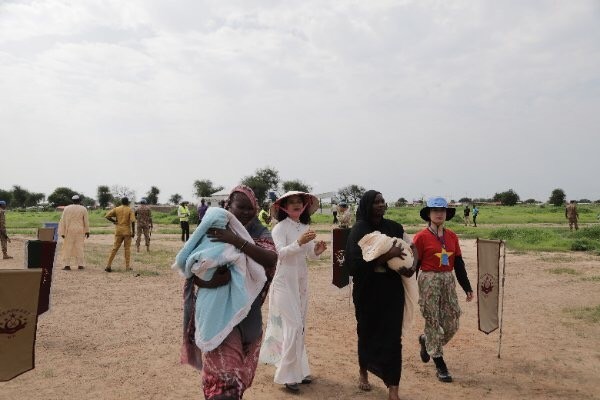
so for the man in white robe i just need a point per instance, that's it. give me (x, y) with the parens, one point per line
(74, 225)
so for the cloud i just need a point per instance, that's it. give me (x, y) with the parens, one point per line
(214, 90)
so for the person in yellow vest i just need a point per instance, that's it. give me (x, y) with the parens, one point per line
(183, 212)
(124, 219)
(263, 216)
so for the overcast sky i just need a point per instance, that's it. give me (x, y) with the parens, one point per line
(412, 98)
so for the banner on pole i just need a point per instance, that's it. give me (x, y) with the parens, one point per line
(40, 254)
(338, 248)
(488, 286)
(19, 292)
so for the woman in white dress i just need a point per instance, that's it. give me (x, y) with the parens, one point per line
(288, 296)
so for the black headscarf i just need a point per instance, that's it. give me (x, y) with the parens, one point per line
(365, 206)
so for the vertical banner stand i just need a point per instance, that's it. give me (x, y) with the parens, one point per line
(502, 302)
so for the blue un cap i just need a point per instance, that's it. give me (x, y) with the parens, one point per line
(437, 202)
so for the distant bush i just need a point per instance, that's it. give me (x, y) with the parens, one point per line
(592, 233)
(582, 245)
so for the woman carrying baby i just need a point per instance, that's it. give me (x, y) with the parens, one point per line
(228, 369)
(439, 255)
(378, 296)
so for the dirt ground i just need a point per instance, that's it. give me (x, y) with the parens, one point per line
(117, 336)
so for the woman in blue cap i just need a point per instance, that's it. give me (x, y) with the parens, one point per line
(439, 254)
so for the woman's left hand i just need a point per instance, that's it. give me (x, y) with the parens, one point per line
(469, 296)
(320, 247)
(224, 236)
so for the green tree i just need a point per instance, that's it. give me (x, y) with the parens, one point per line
(104, 196)
(508, 198)
(34, 198)
(6, 195)
(62, 196)
(152, 195)
(465, 200)
(262, 181)
(557, 197)
(351, 193)
(205, 188)
(175, 199)
(19, 196)
(297, 185)
(530, 201)
(401, 202)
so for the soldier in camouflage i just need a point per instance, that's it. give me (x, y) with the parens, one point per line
(572, 215)
(3, 236)
(143, 215)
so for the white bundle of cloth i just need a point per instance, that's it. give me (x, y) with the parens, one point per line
(375, 244)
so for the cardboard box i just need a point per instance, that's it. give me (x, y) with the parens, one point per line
(45, 234)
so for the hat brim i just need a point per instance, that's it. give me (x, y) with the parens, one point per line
(313, 201)
(450, 212)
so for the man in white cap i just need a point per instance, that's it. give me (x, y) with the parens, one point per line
(3, 236)
(74, 225)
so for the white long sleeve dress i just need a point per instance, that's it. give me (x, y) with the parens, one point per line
(284, 344)
(73, 225)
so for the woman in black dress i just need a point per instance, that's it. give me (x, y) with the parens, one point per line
(378, 296)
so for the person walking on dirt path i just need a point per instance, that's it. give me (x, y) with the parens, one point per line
(183, 212)
(143, 216)
(4, 239)
(475, 214)
(284, 345)
(73, 227)
(572, 215)
(378, 296)
(228, 370)
(124, 219)
(439, 254)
